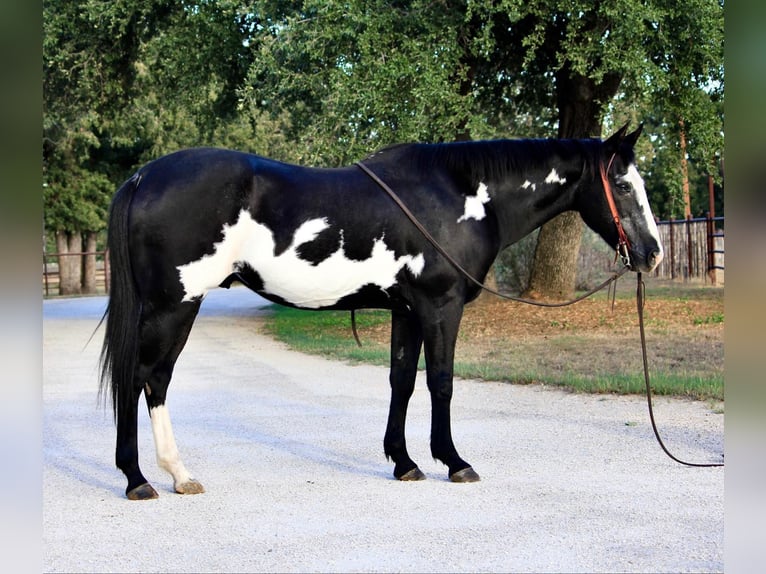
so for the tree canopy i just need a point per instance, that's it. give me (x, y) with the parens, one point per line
(327, 82)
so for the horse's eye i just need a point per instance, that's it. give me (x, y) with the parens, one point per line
(623, 187)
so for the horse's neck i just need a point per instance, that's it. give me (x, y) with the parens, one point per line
(527, 200)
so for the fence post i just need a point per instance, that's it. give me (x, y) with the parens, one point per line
(689, 254)
(657, 269)
(45, 272)
(710, 248)
(106, 271)
(672, 251)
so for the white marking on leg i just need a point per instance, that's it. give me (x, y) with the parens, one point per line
(527, 184)
(168, 458)
(554, 177)
(474, 205)
(286, 275)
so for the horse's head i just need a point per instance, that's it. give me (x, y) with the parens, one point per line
(639, 240)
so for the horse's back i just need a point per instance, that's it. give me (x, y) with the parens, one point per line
(203, 216)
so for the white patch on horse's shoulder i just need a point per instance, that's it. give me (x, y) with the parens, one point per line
(474, 205)
(309, 230)
(287, 276)
(416, 264)
(527, 184)
(554, 177)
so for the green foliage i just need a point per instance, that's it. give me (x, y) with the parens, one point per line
(78, 200)
(686, 88)
(354, 76)
(715, 318)
(88, 54)
(129, 80)
(327, 82)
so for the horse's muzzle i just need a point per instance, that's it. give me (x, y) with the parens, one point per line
(651, 261)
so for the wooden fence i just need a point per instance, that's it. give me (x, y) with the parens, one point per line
(51, 278)
(694, 248)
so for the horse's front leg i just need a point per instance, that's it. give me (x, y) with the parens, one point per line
(440, 337)
(406, 342)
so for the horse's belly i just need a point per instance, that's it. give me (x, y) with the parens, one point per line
(249, 247)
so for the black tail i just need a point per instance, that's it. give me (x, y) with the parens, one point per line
(120, 348)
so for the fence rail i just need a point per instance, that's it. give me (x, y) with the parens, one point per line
(694, 248)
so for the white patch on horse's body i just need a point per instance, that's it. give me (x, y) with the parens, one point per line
(635, 180)
(554, 177)
(167, 452)
(527, 184)
(474, 205)
(286, 275)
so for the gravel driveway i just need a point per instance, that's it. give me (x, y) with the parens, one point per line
(290, 450)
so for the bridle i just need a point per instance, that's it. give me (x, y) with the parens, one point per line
(623, 244)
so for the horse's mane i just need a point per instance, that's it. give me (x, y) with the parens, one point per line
(491, 158)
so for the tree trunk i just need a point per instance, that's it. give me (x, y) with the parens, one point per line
(69, 265)
(554, 270)
(685, 172)
(89, 264)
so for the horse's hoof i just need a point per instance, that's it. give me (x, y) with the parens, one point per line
(414, 474)
(465, 475)
(191, 486)
(143, 492)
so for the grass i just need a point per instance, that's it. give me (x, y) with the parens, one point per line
(581, 360)
(327, 333)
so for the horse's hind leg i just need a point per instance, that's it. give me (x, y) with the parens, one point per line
(168, 457)
(406, 342)
(163, 336)
(126, 454)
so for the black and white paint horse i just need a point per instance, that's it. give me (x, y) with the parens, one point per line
(314, 238)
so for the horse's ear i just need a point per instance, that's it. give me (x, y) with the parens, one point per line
(632, 137)
(615, 140)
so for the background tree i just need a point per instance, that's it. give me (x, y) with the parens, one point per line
(125, 81)
(586, 54)
(88, 52)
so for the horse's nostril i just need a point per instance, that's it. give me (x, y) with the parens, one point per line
(655, 257)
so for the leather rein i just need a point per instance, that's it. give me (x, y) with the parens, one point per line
(622, 250)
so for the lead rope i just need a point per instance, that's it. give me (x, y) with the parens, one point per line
(622, 251)
(640, 300)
